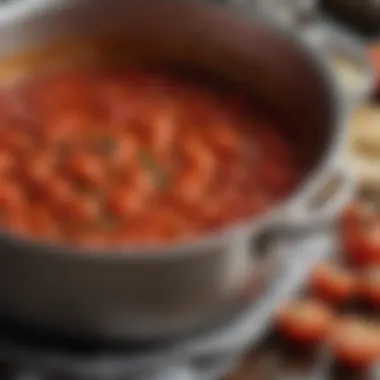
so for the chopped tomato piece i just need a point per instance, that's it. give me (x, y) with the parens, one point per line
(362, 244)
(355, 343)
(333, 283)
(369, 286)
(88, 169)
(305, 321)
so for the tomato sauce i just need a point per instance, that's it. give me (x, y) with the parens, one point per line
(106, 157)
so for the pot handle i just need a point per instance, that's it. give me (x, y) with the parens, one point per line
(324, 204)
(315, 214)
(285, 251)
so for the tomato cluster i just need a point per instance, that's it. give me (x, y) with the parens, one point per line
(105, 156)
(352, 280)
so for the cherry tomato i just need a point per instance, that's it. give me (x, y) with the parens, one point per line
(38, 170)
(333, 283)
(12, 198)
(125, 202)
(162, 132)
(305, 321)
(359, 213)
(189, 188)
(88, 169)
(369, 286)
(354, 342)
(124, 149)
(143, 181)
(82, 210)
(362, 244)
(199, 156)
(360, 226)
(65, 126)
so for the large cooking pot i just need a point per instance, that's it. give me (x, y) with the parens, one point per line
(160, 292)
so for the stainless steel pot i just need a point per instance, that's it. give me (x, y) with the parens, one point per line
(162, 292)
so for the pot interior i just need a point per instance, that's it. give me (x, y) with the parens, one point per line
(195, 37)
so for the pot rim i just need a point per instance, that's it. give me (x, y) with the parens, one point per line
(222, 237)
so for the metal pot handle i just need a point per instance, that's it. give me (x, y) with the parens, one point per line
(323, 204)
(315, 214)
(297, 241)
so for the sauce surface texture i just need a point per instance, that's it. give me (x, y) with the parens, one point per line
(105, 157)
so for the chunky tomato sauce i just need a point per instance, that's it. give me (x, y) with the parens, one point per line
(103, 157)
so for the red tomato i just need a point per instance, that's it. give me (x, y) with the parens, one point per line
(369, 286)
(81, 210)
(362, 244)
(189, 188)
(359, 213)
(355, 343)
(38, 170)
(162, 132)
(88, 169)
(65, 127)
(332, 283)
(125, 202)
(12, 198)
(306, 321)
(199, 156)
(125, 152)
(143, 181)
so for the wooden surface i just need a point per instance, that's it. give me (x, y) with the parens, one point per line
(277, 360)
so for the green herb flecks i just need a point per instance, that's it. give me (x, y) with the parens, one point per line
(149, 162)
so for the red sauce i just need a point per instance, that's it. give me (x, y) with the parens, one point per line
(103, 157)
